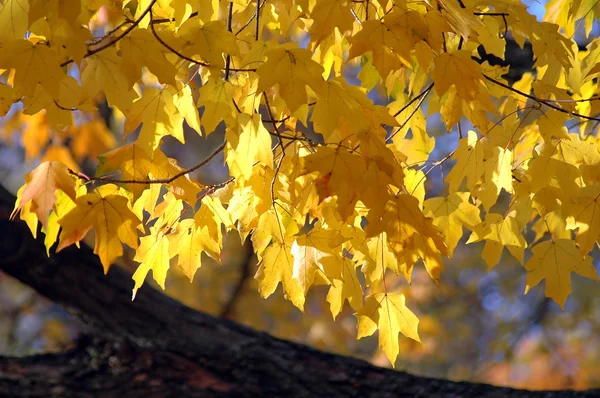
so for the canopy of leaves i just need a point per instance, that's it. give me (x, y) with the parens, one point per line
(330, 186)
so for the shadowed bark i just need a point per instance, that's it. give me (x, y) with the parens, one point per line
(155, 346)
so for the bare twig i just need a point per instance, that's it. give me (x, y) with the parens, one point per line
(421, 97)
(548, 103)
(201, 63)
(158, 180)
(116, 39)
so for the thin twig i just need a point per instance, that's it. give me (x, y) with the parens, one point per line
(548, 103)
(116, 39)
(229, 20)
(416, 98)
(249, 21)
(421, 97)
(158, 180)
(257, 24)
(278, 165)
(201, 63)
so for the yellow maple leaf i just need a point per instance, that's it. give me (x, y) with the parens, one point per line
(460, 70)
(213, 215)
(293, 69)
(499, 232)
(585, 210)
(328, 15)
(387, 312)
(40, 188)
(153, 254)
(159, 117)
(14, 19)
(6, 99)
(378, 257)
(34, 64)
(390, 40)
(208, 41)
(450, 214)
(276, 265)
(498, 175)
(554, 260)
(109, 213)
(247, 142)
(217, 99)
(347, 108)
(469, 156)
(140, 49)
(102, 72)
(187, 242)
(344, 284)
(308, 251)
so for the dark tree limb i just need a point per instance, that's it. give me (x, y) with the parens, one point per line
(155, 346)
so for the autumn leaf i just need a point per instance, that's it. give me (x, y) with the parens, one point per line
(387, 312)
(554, 261)
(40, 188)
(450, 214)
(292, 69)
(110, 215)
(499, 232)
(153, 255)
(276, 265)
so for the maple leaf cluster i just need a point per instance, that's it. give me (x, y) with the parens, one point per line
(328, 185)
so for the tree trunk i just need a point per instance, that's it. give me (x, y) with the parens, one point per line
(155, 346)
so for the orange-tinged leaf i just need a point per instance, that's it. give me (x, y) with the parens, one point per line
(334, 165)
(554, 261)
(40, 187)
(109, 213)
(410, 234)
(387, 312)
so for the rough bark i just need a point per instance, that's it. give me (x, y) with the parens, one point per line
(155, 346)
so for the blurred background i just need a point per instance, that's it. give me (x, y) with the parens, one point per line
(477, 325)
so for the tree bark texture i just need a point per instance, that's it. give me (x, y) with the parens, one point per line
(156, 347)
